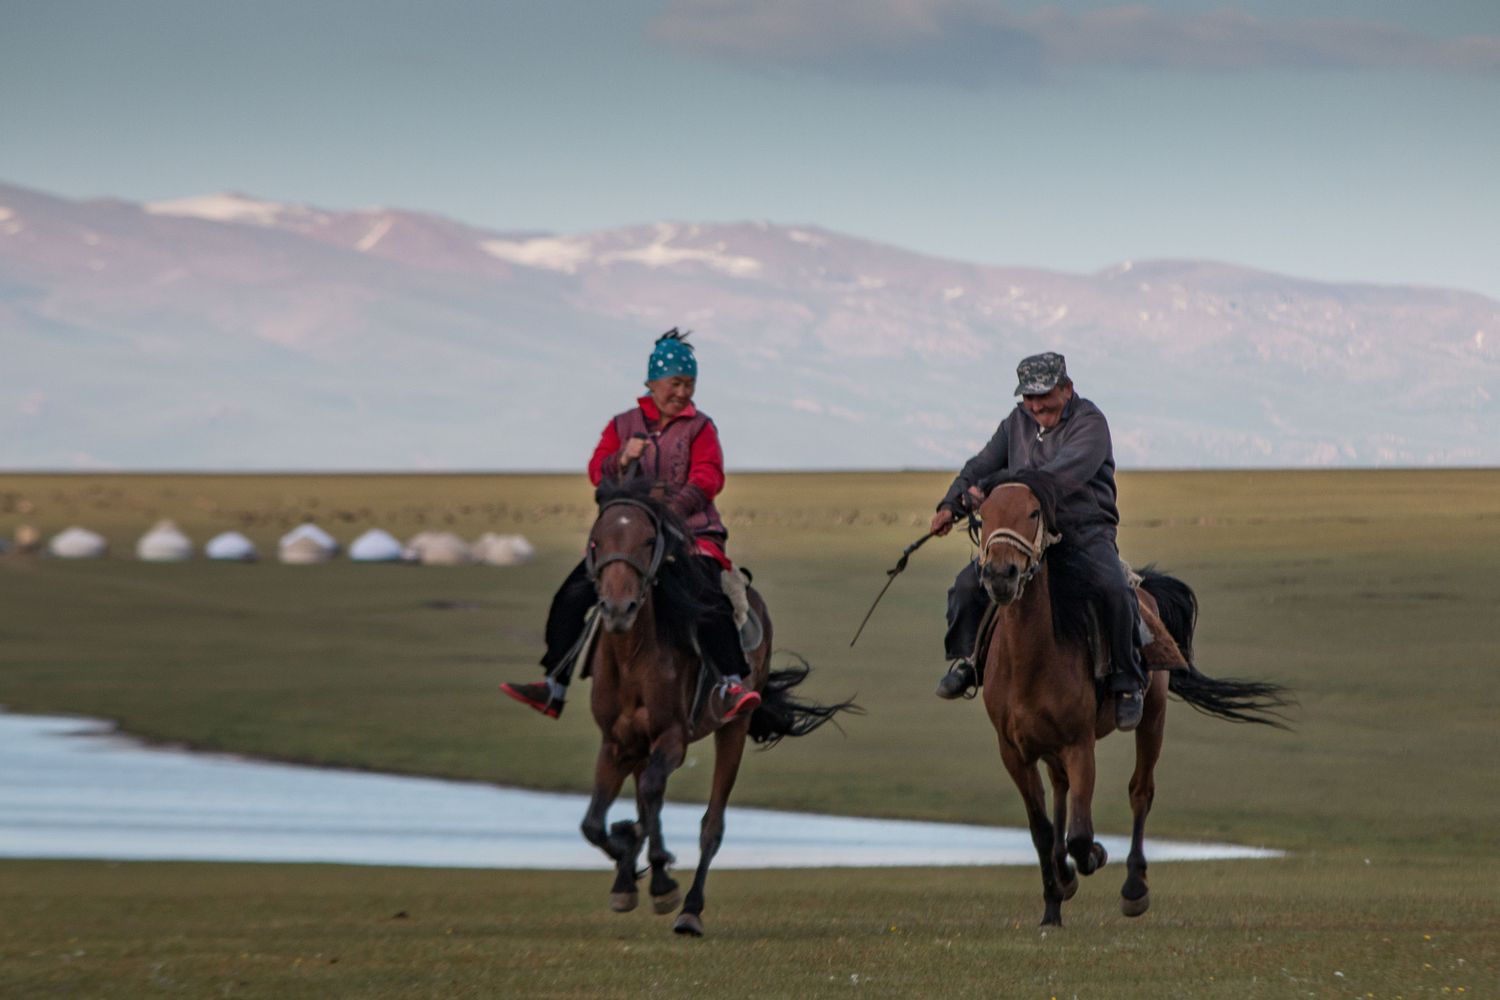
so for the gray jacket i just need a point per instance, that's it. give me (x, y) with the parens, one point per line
(1077, 451)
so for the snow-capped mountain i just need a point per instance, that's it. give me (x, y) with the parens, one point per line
(229, 332)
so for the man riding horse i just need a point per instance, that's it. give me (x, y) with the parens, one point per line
(1054, 430)
(677, 446)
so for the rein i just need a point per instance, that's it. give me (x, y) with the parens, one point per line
(594, 565)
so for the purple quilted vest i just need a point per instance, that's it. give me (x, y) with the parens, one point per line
(668, 459)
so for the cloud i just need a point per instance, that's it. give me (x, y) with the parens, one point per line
(976, 43)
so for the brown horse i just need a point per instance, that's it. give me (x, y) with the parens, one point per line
(649, 696)
(1040, 690)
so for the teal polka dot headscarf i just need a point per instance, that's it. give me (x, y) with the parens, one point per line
(673, 355)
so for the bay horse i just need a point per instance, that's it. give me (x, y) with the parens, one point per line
(648, 683)
(1041, 696)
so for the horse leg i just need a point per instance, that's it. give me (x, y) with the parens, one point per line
(1088, 854)
(729, 748)
(651, 792)
(1067, 878)
(622, 842)
(1029, 782)
(1135, 894)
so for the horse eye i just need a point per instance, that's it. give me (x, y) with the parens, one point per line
(1035, 514)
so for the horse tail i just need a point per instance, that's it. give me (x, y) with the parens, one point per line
(782, 714)
(1176, 605)
(1226, 698)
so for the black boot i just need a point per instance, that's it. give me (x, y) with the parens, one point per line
(960, 681)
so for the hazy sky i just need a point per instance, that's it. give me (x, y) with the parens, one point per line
(1323, 138)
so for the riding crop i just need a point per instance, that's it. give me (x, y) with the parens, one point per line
(891, 575)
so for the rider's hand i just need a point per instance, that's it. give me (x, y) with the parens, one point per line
(633, 450)
(942, 521)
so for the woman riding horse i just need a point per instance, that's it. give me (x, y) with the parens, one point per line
(677, 446)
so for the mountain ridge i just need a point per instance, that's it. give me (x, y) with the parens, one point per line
(292, 337)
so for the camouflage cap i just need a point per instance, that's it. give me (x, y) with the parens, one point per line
(1040, 373)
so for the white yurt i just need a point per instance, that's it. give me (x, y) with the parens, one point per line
(375, 545)
(438, 548)
(503, 550)
(231, 546)
(78, 543)
(164, 543)
(306, 544)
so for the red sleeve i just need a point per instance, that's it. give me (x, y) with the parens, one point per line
(607, 448)
(706, 461)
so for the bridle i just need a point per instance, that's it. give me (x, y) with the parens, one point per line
(648, 573)
(1032, 548)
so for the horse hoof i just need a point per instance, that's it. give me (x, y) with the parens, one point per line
(689, 924)
(1135, 907)
(623, 902)
(666, 904)
(1098, 855)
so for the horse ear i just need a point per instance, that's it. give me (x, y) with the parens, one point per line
(1052, 539)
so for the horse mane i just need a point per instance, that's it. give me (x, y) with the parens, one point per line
(1046, 487)
(684, 582)
(1068, 583)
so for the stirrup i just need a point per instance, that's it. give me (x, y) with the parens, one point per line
(1134, 703)
(961, 681)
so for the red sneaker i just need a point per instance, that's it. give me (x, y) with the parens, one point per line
(538, 696)
(738, 700)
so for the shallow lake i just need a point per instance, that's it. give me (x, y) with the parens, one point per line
(73, 788)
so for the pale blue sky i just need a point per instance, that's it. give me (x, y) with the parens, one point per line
(1322, 138)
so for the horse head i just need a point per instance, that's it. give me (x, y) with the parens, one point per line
(1016, 526)
(625, 553)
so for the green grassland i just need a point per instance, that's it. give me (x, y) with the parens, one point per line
(1256, 930)
(1372, 594)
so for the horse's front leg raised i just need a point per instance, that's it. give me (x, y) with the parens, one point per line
(622, 842)
(1024, 774)
(651, 792)
(1135, 894)
(1088, 854)
(729, 749)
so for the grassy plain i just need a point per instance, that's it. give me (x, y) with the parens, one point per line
(1372, 594)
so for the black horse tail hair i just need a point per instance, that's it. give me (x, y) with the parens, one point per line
(1176, 605)
(1231, 699)
(782, 714)
(1235, 700)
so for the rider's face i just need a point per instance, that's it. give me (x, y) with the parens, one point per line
(1047, 407)
(672, 395)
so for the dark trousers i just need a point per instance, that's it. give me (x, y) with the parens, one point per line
(1089, 557)
(718, 637)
